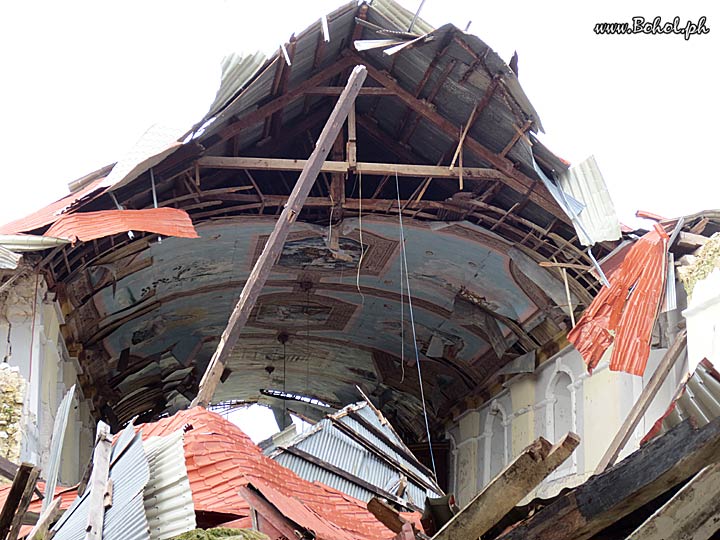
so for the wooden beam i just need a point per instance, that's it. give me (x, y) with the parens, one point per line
(21, 480)
(258, 115)
(98, 482)
(21, 509)
(402, 169)
(277, 238)
(279, 88)
(337, 90)
(477, 110)
(641, 477)
(386, 514)
(691, 513)
(519, 132)
(514, 178)
(643, 403)
(508, 488)
(45, 520)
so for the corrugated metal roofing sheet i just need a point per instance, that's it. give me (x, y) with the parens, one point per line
(48, 214)
(58, 436)
(698, 397)
(90, 225)
(327, 442)
(9, 260)
(625, 313)
(168, 499)
(586, 184)
(156, 144)
(125, 519)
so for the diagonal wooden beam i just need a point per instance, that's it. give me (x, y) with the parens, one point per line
(477, 111)
(515, 179)
(691, 513)
(508, 488)
(258, 115)
(640, 478)
(22, 479)
(280, 83)
(276, 241)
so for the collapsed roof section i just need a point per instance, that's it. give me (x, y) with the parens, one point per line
(356, 451)
(441, 131)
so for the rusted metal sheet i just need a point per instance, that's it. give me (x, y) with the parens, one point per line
(91, 225)
(49, 214)
(624, 313)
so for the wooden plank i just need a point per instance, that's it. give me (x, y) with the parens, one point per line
(514, 178)
(45, 521)
(27, 494)
(386, 514)
(277, 238)
(337, 90)
(402, 169)
(384, 456)
(98, 482)
(643, 403)
(691, 513)
(20, 480)
(508, 488)
(641, 477)
(691, 241)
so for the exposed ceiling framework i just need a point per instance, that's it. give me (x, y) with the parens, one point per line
(144, 315)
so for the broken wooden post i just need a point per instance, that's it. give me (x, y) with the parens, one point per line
(691, 513)
(508, 488)
(386, 514)
(26, 497)
(273, 247)
(99, 482)
(46, 519)
(643, 403)
(643, 476)
(22, 480)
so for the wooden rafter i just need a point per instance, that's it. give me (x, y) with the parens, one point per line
(402, 169)
(258, 115)
(280, 81)
(515, 179)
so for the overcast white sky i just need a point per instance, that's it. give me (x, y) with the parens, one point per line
(82, 80)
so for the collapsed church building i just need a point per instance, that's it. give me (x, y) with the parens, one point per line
(365, 232)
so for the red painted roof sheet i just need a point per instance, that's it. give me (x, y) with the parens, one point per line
(48, 214)
(220, 458)
(625, 312)
(90, 225)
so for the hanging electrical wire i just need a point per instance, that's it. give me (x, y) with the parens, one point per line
(362, 246)
(412, 325)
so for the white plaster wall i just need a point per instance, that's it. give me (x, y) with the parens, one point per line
(30, 322)
(600, 403)
(703, 321)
